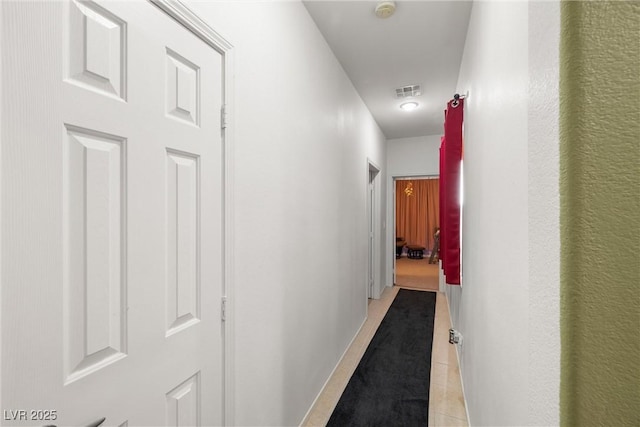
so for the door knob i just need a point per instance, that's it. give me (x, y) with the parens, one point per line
(96, 423)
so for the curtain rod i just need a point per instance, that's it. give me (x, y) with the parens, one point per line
(416, 178)
(457, 97)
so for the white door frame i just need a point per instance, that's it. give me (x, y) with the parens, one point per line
(192, 22)
(373, 221)
(392, 242)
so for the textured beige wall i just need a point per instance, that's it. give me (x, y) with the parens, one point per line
(600, 213)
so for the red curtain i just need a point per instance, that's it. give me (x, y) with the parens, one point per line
(442, 202)
(450, 162)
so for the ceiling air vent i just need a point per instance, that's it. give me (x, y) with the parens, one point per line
(408, 91)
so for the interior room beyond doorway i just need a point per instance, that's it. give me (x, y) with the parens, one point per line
(416, 224)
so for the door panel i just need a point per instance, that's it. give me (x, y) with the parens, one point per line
(111, 216)
(94, 282)
(183, 260)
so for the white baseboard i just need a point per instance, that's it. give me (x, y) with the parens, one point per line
(313, 404)
(464, 395)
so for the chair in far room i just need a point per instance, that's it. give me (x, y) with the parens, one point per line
(400, 243)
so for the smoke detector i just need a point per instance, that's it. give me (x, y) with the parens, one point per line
(385, 9)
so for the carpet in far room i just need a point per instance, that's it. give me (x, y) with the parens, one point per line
(416, 274)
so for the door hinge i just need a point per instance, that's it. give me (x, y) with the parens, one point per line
(223, 116)
(223, 311)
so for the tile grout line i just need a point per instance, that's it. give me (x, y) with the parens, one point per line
(443, 320)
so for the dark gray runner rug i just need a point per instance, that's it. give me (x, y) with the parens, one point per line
(390, 386)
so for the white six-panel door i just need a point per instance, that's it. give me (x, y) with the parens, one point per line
(111, 217)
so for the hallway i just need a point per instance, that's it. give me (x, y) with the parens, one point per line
(446, 400)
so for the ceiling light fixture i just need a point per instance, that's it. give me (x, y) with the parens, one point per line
(385, 9)
(409, 106)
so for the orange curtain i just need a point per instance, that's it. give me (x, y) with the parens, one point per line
(417, 211)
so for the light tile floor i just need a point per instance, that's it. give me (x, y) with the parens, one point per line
(446, 405)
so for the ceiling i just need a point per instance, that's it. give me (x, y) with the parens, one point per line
(421, 43)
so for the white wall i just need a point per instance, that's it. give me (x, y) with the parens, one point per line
(418, 156)
(302, 139)
(413, 156)
(507, 308)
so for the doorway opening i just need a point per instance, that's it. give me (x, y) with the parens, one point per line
(416, 232)
(372, 235)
